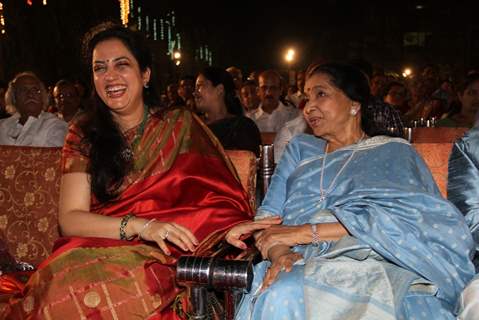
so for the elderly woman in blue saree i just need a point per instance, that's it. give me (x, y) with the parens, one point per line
(365, 233)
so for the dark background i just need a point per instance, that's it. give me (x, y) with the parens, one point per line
(251, 34)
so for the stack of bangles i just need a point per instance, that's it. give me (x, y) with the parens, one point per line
(124, 222)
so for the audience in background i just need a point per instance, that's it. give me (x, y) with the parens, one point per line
(216, 97)
(67, 99)
(3, 106)
(249, 96)
(468, 94)
(30, 125)
(271, 114)
(237, 76)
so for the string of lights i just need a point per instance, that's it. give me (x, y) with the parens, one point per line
(124, 11)
(162, 28)
(2, 20)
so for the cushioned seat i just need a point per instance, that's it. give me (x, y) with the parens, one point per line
(436, 156)
(437, 134)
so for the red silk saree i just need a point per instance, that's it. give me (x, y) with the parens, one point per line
(180, 175)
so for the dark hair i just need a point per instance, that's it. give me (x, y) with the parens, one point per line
(354, 84)
(187, 78)
(108, 167)
(393, 84)
(66, 82)
(249, 83)
(219, 76)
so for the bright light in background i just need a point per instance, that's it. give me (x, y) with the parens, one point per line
(124, 11)
(178, 62)
(177, 55)
(2, 20)
(407, 72)
(289, 56)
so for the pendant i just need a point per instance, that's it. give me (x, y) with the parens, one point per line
(127, 154)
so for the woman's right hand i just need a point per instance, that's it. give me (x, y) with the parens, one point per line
(160, 232)
(246, 229)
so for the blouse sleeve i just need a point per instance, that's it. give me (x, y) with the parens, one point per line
(75, 153)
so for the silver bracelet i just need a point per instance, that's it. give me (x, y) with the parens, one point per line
(314, 233)
(140, 234)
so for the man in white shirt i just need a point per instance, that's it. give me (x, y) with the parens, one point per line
(299, 96)
(30, 125)
(291, 129)
(272, 114)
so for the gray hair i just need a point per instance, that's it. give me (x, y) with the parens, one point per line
(10, 98)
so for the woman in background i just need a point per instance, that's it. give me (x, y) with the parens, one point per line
(215, 95)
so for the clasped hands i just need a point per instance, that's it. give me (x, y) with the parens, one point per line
(273, 241)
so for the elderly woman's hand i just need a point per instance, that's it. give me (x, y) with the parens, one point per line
(282, 260)
(244, 230)
(284, 235)
(161, 232)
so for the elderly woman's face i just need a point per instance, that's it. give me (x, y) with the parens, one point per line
(28, 96)
(328, 109)
(117, 77)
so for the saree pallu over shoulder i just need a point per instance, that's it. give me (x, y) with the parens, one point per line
(401, 226)
(180, 175)
(463, 178)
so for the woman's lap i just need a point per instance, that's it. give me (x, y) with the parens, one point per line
(284, 299)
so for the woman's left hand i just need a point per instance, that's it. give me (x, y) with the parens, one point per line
(281, 234)
(283, 263)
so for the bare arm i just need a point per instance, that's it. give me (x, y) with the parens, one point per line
(75, 218)
(294, 235)
(326, 232)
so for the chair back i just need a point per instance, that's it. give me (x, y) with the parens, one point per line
(29, 194)
(436, 156)
(437, 134)
(245, 164)
(268, 137)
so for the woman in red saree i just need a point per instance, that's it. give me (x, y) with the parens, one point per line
(138, 190)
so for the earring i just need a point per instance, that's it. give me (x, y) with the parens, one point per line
(146, 86)
(354, 112)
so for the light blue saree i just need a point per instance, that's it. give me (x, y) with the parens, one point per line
(407, 255)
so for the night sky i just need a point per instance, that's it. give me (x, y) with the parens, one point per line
(254, 34)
